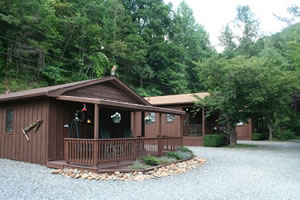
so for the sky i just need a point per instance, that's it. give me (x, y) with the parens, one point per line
(215, 14)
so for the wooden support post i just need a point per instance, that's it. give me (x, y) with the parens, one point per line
(203, 121)
(160, 135)
(96, 134)
(181, 129)
(134, 125)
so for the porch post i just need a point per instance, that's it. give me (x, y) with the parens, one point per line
(134, 124)
(203, 121)
(96, 134)
(181, 129)
(160, 134)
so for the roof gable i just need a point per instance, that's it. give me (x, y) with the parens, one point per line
(55, 91)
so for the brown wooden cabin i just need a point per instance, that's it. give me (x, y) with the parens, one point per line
(101, 141)
(194, 126)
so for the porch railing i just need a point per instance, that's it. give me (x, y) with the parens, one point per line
(99, 151)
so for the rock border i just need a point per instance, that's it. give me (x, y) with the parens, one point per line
(161, 171)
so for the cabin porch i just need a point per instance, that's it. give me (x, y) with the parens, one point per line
(101, 141)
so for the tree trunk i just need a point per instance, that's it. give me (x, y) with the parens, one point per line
(270, 131)
(233, 137)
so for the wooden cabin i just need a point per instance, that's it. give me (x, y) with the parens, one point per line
(39, 125)
(194, 126)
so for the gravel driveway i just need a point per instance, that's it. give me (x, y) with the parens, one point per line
(270, 171)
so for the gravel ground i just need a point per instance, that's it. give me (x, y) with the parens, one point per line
(269, 171)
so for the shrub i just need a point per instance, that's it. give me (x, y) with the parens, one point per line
(185, 149)
(138, 165)
(213, 140)
(165, 160)
(284, 134)
(175, 155)
(185, 155)
(258, 136)
(150, 160)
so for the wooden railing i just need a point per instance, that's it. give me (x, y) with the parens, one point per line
(98, 151)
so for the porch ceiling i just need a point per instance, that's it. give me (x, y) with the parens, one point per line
(130, 106)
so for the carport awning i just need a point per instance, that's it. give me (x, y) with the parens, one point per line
(129, 106)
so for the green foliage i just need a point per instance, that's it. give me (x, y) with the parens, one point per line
(138, 165)
(284, 134)
(150, 160)
(258, 136)
(166, 160)
(184, 155)
(57, 42)
(184, 149)
(174, 154)
(213, 140)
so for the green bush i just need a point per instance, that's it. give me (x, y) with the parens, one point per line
(165, 160)
(150, 160)
(258, 136)
(284, 134)
(185, 155)
(137, 165)
(185, 149)
(213, 140)
(175, 155)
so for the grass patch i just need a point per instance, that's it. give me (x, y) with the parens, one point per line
(242, 146)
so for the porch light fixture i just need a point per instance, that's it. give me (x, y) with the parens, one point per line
(148, 119)
(116, 117)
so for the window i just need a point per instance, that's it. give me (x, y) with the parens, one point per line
(170, 117)
(152, 115)
(9, 120)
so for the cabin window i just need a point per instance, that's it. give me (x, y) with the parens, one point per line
(9, 120)
(153, 116)
(170, 117)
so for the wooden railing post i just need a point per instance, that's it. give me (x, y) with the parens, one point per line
(181, 130)
(96, 135)
(160, 135)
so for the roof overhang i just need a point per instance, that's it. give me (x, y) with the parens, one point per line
(124, 105)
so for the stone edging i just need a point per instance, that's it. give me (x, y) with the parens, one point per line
(164, 170)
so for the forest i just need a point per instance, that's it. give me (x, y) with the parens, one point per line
(158, 50)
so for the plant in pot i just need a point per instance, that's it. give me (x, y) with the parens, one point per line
(148, 120)
(116, 117)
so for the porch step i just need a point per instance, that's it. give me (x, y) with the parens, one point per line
(61, 164)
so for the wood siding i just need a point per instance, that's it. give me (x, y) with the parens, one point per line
(105, 91)
(60, 113)
(244, 132)
(170, 129)
(14, 145)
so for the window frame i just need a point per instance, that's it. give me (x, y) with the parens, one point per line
(170, 118)
(153, 116)
(12, 120)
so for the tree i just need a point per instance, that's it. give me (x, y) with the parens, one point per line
(241, 88)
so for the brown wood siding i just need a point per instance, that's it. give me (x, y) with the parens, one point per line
(14, 145)
(105, 91)
(61, 112)
(171, 129)
(244, 132)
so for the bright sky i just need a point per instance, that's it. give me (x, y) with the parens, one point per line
(215, 14)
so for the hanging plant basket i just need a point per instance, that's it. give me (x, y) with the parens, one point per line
(148, 120)
(116, 120)
(116, 117)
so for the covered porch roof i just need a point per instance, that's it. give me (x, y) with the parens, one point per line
(124, 105)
